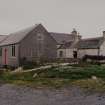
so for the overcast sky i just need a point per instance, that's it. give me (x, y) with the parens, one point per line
(87, 16)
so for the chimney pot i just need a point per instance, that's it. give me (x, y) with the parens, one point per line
(74, 32)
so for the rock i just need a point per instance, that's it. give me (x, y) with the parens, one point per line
(94, 77)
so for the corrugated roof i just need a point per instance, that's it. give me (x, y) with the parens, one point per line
(61, 38)
(90, 43)
(17, 36)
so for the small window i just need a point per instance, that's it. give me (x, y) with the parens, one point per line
(13, 50)
(40, 36)
(0, 51)
(61, 54)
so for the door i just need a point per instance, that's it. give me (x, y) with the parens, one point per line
(75, 54)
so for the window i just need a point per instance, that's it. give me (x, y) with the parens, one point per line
(0, 51)
(13, 50)
(40, 36)
(61, 54)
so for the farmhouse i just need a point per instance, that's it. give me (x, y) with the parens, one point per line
(91, 46)
(67, 49)
(82, 47)
(31, 44)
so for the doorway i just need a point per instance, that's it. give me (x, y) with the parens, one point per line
(75, 54)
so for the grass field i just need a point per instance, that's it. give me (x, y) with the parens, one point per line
(60, 76)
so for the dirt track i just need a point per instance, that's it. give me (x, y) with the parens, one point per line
(15, 95)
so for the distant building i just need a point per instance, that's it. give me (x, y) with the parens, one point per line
(82, 47)
(91, 46)
(67, 49)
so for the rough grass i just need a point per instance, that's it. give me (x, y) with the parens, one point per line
(60, 76)
(74, 73)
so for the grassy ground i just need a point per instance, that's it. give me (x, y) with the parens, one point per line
(77, 75)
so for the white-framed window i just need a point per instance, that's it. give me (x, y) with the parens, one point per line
(60, 53)
(13, 51)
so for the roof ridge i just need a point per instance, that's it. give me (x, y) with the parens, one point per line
(24, 29)
(91, 38)
(60, 33)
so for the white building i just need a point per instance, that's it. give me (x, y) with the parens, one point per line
(68, 50)
(90, 46)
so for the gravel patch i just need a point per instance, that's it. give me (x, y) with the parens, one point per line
(18, 95)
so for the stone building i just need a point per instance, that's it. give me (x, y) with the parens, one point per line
(82, 47)
(91, 46)
(67, 49)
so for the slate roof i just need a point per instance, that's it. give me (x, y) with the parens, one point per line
(90, 43)
(66, 45)
(2, 38)
(62, 37)
(17, 36)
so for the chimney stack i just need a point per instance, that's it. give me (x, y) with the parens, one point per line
(76, 35)
(74, 32)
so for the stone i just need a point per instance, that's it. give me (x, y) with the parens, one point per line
(94, 77)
